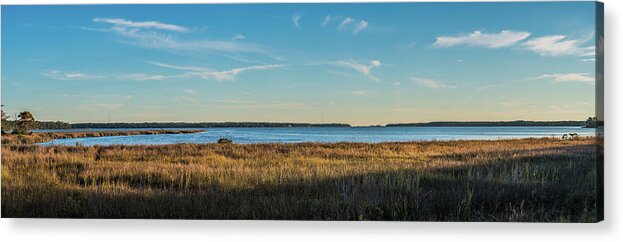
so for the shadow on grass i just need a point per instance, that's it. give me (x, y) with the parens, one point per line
(542, 185)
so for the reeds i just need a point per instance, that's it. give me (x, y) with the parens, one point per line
(544, 180)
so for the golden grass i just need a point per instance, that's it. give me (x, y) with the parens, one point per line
(505, 180)
(48, 136)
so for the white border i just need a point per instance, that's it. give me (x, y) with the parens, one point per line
(180, 230)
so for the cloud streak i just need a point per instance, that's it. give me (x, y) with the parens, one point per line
(362, 93)
(362, 25)
(345, 23)
(157, 35)
(205, 73)
(148, 77)
(558, 45)
(238, 37)
(296, 20)
(68, 76)
(364, 69)
(141, 25)
(505, 38)
(568, 77)
(430, 83)
(230, 75)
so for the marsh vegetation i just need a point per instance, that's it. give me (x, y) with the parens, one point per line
(505, 180)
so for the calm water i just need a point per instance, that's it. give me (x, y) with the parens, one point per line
(330, 134)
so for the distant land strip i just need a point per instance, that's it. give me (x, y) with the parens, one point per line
(66, 125)
(492, 123)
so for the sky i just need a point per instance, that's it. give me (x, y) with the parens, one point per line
(362, 64)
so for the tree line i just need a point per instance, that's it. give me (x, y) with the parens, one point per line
(24, 122)
(202, 125)
(591, 122)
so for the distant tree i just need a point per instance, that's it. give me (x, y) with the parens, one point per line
(4, 116)
(25, 122)
(591, 122)
(6, 124)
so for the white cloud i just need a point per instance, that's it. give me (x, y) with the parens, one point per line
(150, 37)
(361, 68)
(141, 25)
(504, 38)
(362, 93)
(230, 75)
(99, 106)
(183, 68)
(205, 73)
(145, 77)
(558, 45)
(568, 77)
(238, 37)
(60, 75)
(190, 91)
(430, 83)
(345, 22)
(98, 96)
(326, 21)
(296, 20)
(237, 103)
(362, 25)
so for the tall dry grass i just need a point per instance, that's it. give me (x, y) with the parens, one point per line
(507, 180)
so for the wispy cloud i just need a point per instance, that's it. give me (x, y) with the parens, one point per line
(98, 96)
(147, 77)
(360, 26)
(190, 91)
(568, 77)
(296, 20)
(504, 38)
(156, 35)
(430, 83)
(237, 103)
(362, 93)
(326, 21)
(229, 75)
(60, 75)
(558, 45)
(142, 25)
(364, 69)
(176, 67)
(99, 106)
(238, 37)
(205, 73)
(344, 23)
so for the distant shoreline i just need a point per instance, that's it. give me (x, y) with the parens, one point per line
(158, 125)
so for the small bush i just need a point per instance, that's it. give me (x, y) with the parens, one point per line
(224, 141)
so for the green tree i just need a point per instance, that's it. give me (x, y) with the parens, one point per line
(25, 122)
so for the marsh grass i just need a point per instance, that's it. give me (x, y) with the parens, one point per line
(545, 180)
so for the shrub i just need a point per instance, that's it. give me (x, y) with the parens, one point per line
(224, 141)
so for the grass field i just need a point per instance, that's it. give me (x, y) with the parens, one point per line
(507, 180)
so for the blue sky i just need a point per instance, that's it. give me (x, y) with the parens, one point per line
(349, 63)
